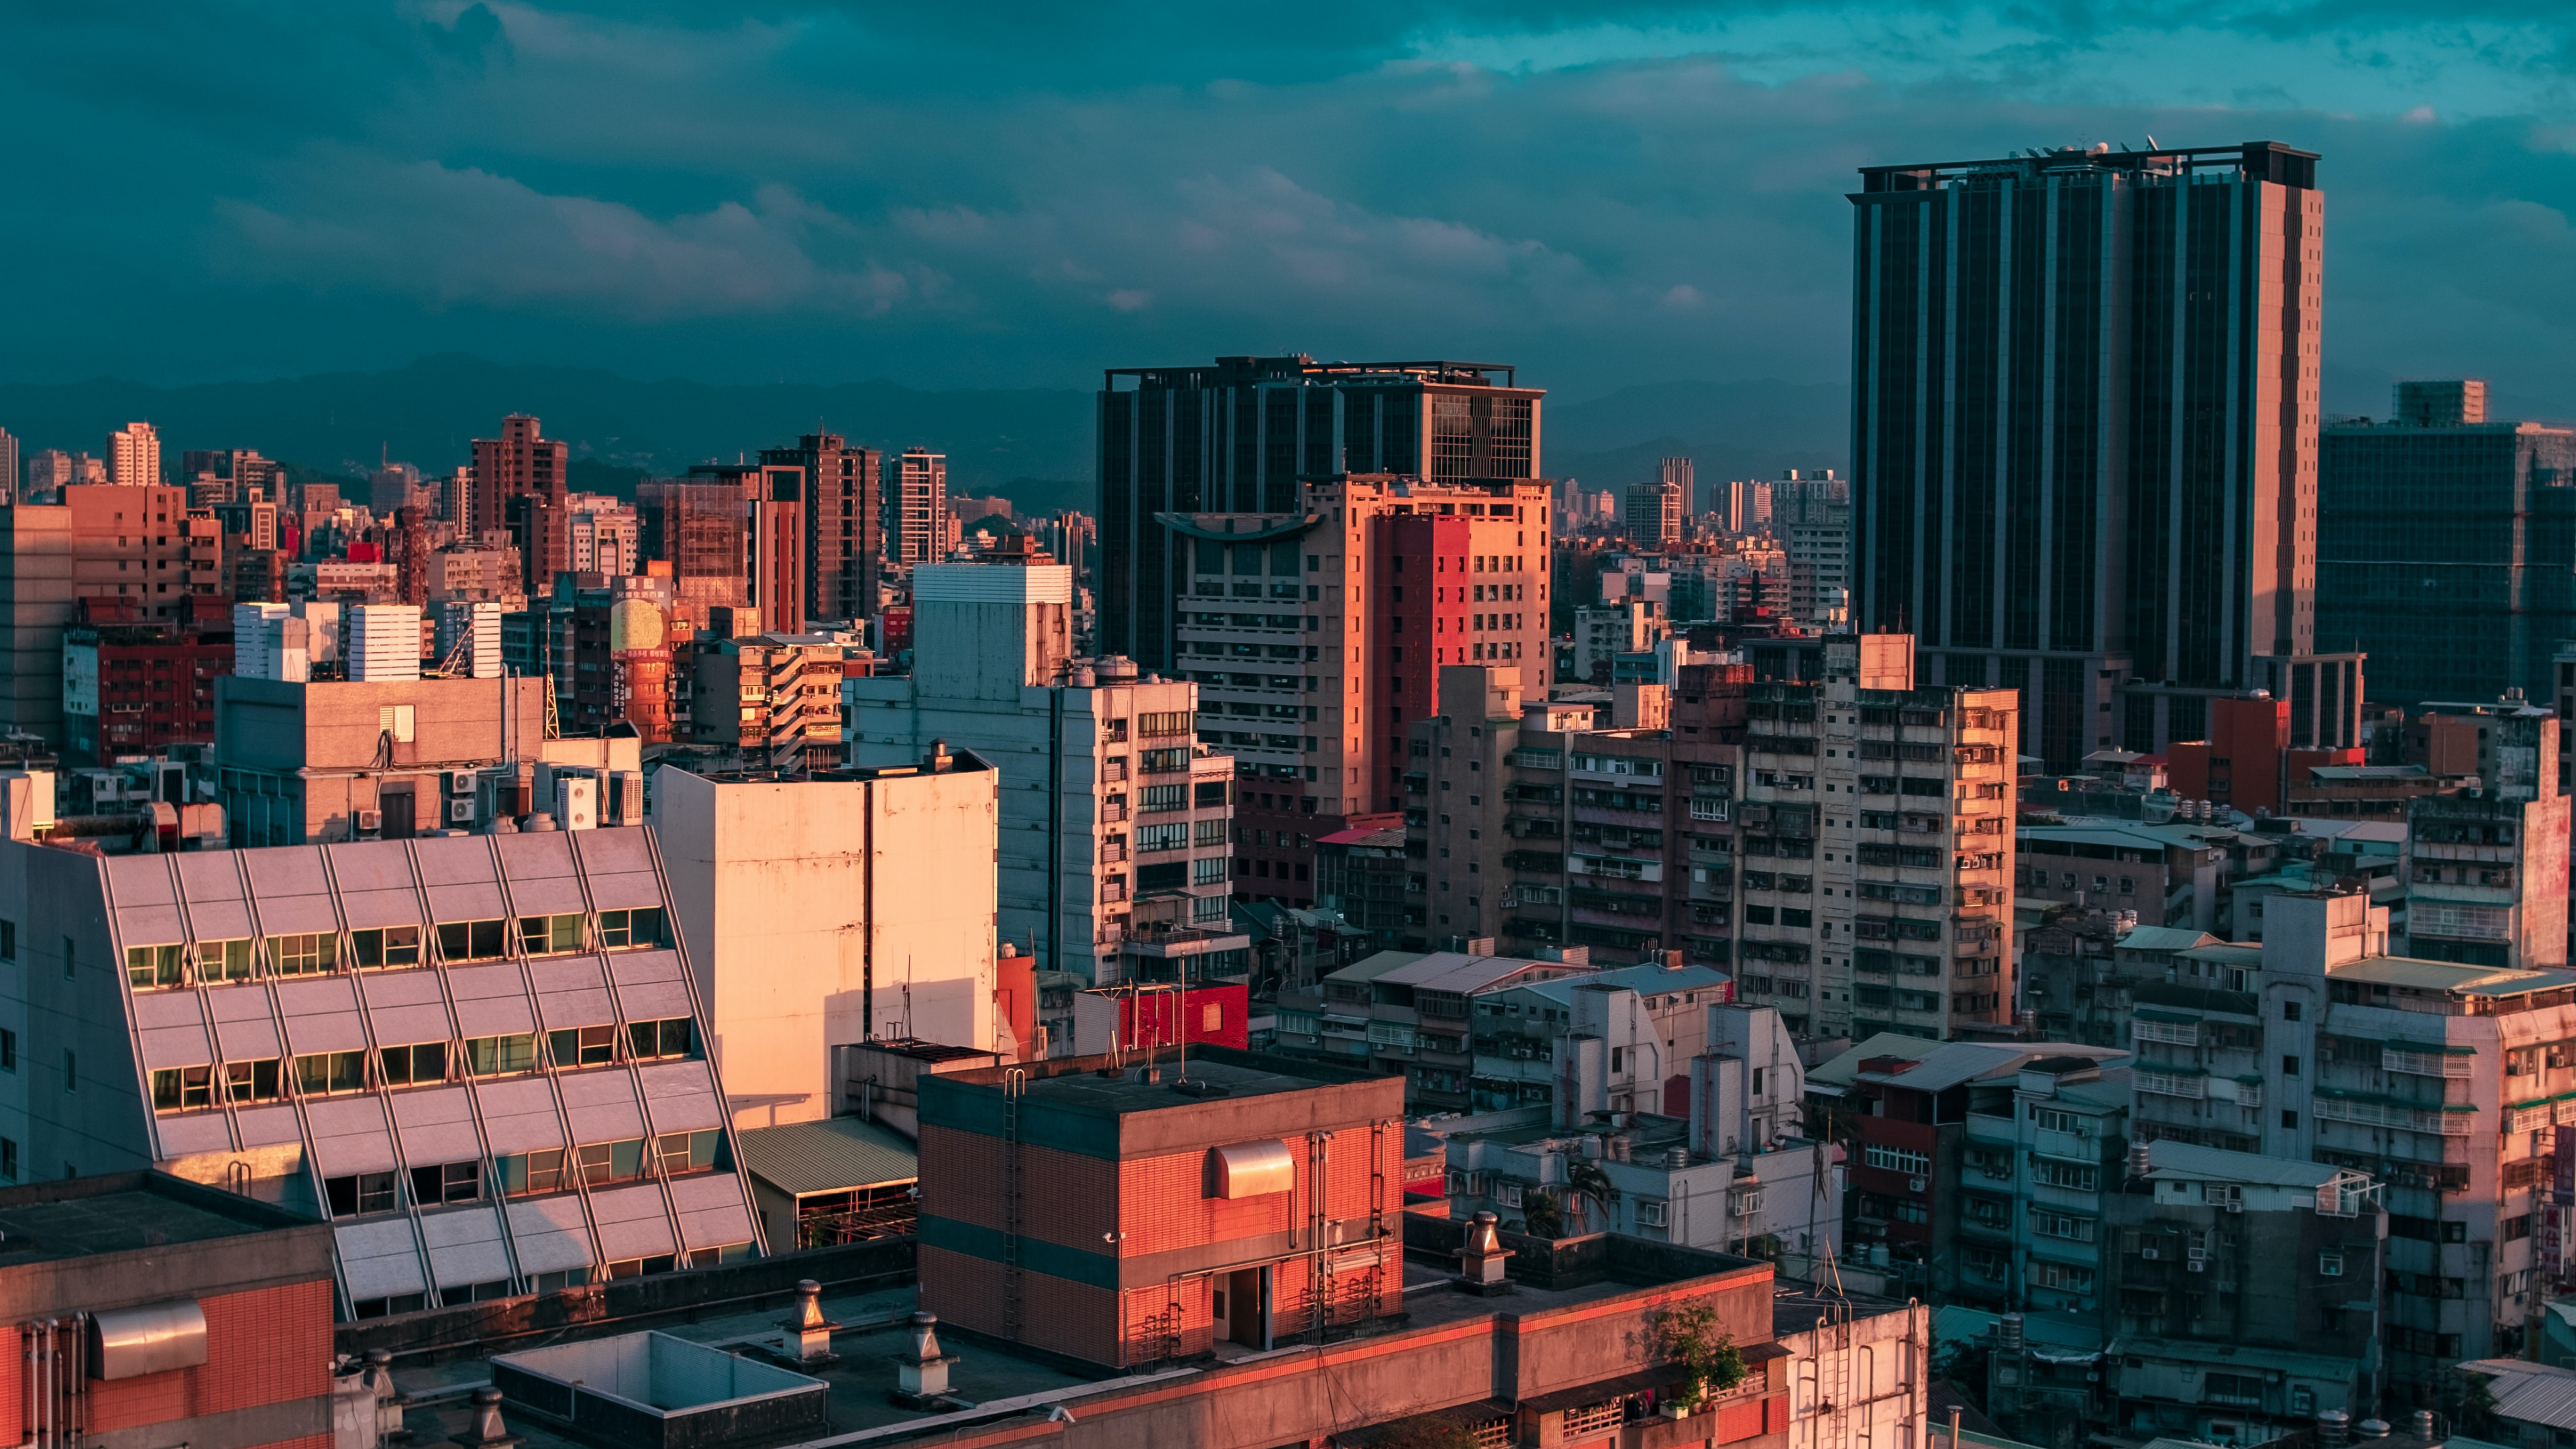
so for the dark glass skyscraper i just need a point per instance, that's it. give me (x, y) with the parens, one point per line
(1234, 436)
(2447, 547)
(2084, 434)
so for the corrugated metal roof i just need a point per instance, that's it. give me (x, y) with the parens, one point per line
(2164, 938)
(2448, 976)
(2190, 1162)
(1648, 980)
(1951, 1063)
(1459, 972)
(837, 1155)
(2528, 1392)
(1839, 1071)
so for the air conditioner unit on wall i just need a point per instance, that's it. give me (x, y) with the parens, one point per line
(1914, 1184)
(461, 811)
(371, 820)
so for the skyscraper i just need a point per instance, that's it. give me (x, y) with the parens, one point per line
(1237, 435)
(519, 481)
(2445, 544)
(2084, 434)
(844, 523)
(8, 467)
(917, 493)
(134, 455)
(1657, 509)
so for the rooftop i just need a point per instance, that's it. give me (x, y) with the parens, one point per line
(1088, 1084)
(2528, 1392)
(2165, 938)
(1956, 1063)
(2188, 1162)
(1453, 971)
(2449, 977)
(1841, 1071)
(1646, 980)
(835, 1155)
(123, 1213)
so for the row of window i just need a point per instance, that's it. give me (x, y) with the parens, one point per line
(551, 1282)
(325, 1074)
(525, 1174)
(387, 947)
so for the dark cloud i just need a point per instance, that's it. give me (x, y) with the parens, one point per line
(1021, 194)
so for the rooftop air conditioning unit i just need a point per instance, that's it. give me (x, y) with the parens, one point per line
(2196, 1266)
(1914, 1184)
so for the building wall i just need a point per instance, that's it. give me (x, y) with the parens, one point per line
(826, 912)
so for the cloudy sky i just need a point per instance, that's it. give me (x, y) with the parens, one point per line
(1006, 194)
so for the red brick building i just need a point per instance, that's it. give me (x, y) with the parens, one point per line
(137, 1308)
(1118, 1220)
(131, 689)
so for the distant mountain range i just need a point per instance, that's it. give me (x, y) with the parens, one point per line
(1031, 445)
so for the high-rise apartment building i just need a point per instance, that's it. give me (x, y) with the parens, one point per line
(1316, 637)
(605, 535)
(697, 525)
(917, 495)
(1119, 829)
(48, 471)
(519, 482)
(844, 518)
(1876, 832)
(2446, 546)
(125, 545)
(2084, 434)
(1238, 435)
(8, 468)
(768, 506)
(1745, 505)
(1658, 511)
(1812, 517)
(2486, 869)
(134, 455)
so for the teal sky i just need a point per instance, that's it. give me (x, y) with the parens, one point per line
(1013, 195)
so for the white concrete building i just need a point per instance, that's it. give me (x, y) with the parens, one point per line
(134, 455)
(830, 911)
(1602, 632)
(1115, 824)
(481, 1058)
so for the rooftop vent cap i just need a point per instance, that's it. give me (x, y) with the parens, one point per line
(1251, 1169)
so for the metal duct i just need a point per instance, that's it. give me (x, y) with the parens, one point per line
(1251, 1169)
(127, 1343)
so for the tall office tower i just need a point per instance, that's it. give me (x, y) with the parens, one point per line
(844, 523)
(134, 455)
(1745, 505)
(1237, 436)
(520, 478)
(1655, 515)
(697, 526)
(1886, 899)
(8, 467)
(917, 494)
(1685, 473)
(47, 472)
(2084, 433)
(393, 487)
(768, 500)
(456, 499)
(2446, 546)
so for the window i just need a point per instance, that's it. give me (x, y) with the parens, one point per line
(150, 966)
(670, 1038)
(68, 958)
(638, 1267)
(386, 946)
(2060, 1276)
(414, 1066)
(1211, 792)
(1650, 1214)
(1898, 1159)
(322, 1074)
(9, 1158)
(310, 954)
(632, 929)
(2289, 1068)
(470, 940)
(2076, 1177)
(2329, 1265)
(9, 952)
(2049, 1119)
(525, 1174)
(1156, 799)
(366, 1192)
(491, 1056)
(687, 1151)
(447, 1182)
(606, 1162)
(2514, 1229)
(2061, 1225)
(1208, 870)
(177, 1089)
(1174, 836)
(8, 1050)
(2289, 1011)
(550, 935)
(1174, 722)
(225, 960)
(252, 1081)
(71, 1072)
(2289, 1119)
(582, 1046)
(710, 1257)
(1164, 762)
